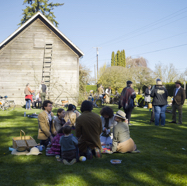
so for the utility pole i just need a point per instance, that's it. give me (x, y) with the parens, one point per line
(97, 53)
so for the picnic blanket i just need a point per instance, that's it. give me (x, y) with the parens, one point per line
(106, 149)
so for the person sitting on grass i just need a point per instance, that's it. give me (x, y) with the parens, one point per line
(55, 145)
(88, 129)
(108, 122)
(59, 120)
(46, 128)
(69, 152)
(122, 142)
(70, 115)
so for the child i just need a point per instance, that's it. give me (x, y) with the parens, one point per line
(55, 146)
(68, 147)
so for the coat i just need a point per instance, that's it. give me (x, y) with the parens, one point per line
(180, 97)
(44, 127)
(88, 129)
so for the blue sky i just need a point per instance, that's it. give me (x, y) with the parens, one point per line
(138, 27)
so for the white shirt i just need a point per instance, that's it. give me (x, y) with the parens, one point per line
(49, 115)
(177, 89)
(107, 91)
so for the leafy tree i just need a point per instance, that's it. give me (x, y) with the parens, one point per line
(123, 59)
(118, 58)
(113, 59)
(39, 5)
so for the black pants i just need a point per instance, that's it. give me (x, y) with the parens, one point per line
(152, 115)
(45, 142)
(128, 113)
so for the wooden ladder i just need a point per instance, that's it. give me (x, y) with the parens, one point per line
(46, 71)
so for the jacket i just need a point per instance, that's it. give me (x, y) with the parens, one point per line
(147, 95)
(180, 97)
(120, 134)
(88, 129)
(44, 127)
(160, 95)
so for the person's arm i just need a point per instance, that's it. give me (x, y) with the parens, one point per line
(115, 141)
(42, 125)
(78, 131)
(152, 93)
(183, 96)
(75, 141)
(31, 91)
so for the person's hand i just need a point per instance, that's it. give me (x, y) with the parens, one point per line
(51, 138)
(67, 123)
(104, 129)
(55, 133)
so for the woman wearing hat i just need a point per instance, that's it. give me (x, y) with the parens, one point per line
(160, 95)
(122, 142)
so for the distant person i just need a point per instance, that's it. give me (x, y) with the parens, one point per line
(160, 95)
(88, 129)
(127, 100)
(28, 96)
(46, 128)
(179, 97)
(148, 95)
(122, 142)
(152, 120)
(69, 152)
(100, 90)
(108, 122)
(107, 94)
(43, 91)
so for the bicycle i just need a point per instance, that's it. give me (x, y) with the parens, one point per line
(5, 104)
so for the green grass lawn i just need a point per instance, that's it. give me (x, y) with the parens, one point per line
(161, 161)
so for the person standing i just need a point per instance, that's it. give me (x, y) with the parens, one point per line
(108, 92)
(179, 97)
(100, 90)
(160, 95)
(43, 91)
(46, 128)
(147, 95)
(127, 100)
(28, 97)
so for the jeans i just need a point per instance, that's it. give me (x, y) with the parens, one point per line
(28, 104)
(160, 113)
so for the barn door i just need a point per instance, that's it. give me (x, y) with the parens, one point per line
(46, 73)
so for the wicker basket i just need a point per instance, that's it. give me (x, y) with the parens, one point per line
(150, 106)
(22, 142)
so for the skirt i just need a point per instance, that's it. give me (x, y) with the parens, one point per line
(126, 146)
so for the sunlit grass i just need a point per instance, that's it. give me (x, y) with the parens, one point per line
(162, 160)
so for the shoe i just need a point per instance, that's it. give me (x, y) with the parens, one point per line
(179, 123)
(65, 162)
(97, 152)
(135, 151)
(130, 124)
(89, 154)
(72, 161)
(172, 122)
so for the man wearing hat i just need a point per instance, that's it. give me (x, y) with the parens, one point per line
(127, 100)
(179, 97)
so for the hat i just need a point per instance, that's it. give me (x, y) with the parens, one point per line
(129, 82)
(158, 79)
(178, 82)
(34, 151)
(159, 83)
(120, 114)
(15, 152)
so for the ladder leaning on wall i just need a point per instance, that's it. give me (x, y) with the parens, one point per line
(46, 71)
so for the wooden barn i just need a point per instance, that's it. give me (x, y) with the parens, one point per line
(39, 51)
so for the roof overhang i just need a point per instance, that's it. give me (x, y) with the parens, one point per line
(48, 24)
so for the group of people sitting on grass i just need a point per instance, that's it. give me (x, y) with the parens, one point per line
(91, 131)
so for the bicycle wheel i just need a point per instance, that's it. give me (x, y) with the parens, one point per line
(9, 105)
(98, 102)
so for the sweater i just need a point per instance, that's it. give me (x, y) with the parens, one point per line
(68, 143)
(160, 95)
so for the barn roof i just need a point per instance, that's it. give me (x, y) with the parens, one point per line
(47, 23)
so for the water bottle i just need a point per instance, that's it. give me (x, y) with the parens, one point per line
(24, 114)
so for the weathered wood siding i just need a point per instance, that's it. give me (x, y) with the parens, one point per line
(21, 62)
